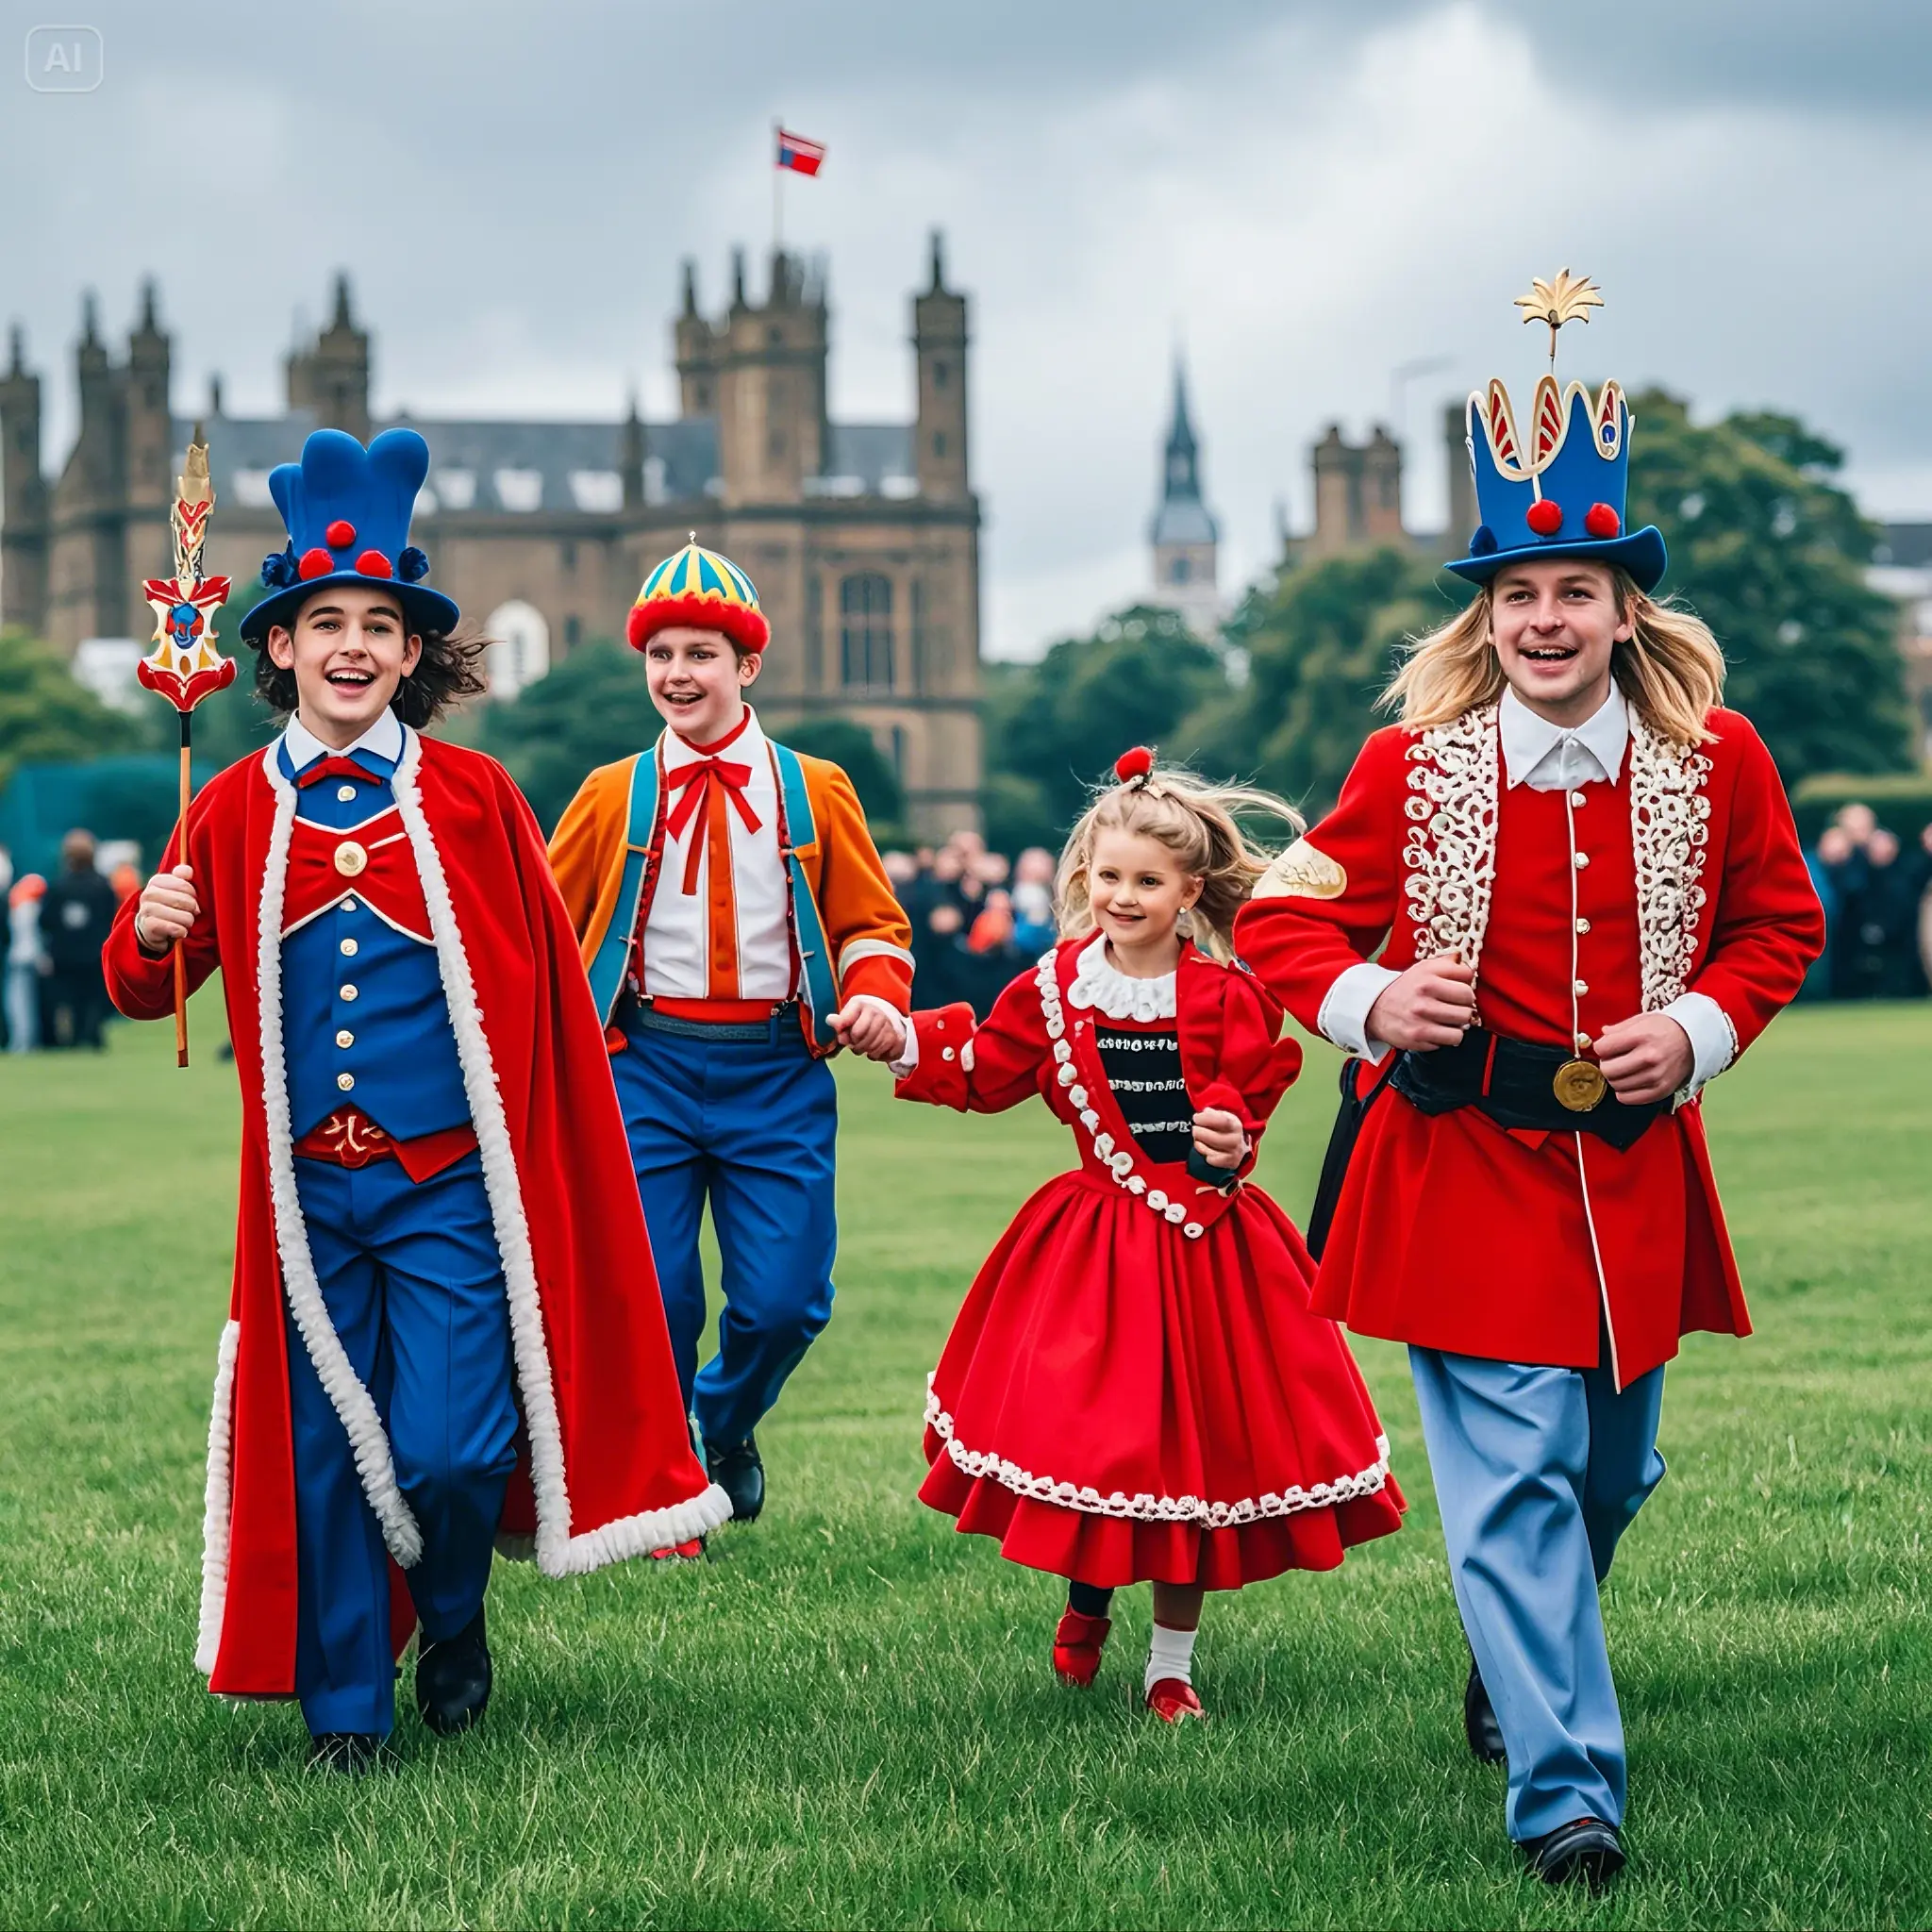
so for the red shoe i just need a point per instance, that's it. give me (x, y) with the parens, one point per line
(679, 1552)
(1174, 1701)
(1076, 1647)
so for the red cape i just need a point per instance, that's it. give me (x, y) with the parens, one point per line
(604, 1465)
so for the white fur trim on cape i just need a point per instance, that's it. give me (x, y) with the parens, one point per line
(351, 1401)
(1150, 1509)
(218, 1504)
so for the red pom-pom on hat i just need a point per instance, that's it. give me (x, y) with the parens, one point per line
(1133, 765)
(340, 534)
(1602, 521)
(315, 563)
(373, 564)
(1544, 517)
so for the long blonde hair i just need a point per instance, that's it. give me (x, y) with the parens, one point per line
(1670, 668)
(1196, 821)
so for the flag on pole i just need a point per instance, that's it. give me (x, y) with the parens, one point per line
(801, 156)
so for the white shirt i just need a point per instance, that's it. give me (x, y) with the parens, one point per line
(383, 737)
(677, 933)
(1546, 758)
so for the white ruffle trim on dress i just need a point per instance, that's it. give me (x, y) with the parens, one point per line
(1149, 1508)
(1101, 985)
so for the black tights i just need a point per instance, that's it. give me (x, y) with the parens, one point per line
(1089, 1600)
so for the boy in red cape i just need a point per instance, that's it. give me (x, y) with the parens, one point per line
(445, 1330)
(1593, 900)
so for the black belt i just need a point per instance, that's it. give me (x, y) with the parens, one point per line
(1519, 1083)
(782, 1026)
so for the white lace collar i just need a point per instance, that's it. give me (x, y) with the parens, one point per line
(1100, 984)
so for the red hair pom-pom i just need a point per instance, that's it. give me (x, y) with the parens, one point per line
(373, 564)
(340, 534)
(1134, 766)
(315, 563)
(1602, 521)
(1544, 517)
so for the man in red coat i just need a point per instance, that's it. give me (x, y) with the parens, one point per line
(444, 1332)
(1587, 893)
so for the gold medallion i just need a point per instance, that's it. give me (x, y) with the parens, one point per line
(1303, 872)
(350, 858)
(1579, 1085)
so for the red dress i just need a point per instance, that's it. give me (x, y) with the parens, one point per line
(1134, 1387)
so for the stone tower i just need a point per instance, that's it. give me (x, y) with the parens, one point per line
(938, 343)
(331, 376)
(1184, 535)
(1463, 514)
(22, 493)
(1357, 493)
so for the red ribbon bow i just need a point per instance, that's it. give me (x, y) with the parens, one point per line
(333, 767)
(694, 782)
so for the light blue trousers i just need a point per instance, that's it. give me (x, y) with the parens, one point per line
(1539, 1471)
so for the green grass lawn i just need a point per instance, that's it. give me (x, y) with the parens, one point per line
(846, 1716)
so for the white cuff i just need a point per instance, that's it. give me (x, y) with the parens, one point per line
(899, 1068)
(1713, 1039)
(1344, 1015)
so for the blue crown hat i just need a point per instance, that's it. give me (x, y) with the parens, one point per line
(1562, 492)
(347, 510)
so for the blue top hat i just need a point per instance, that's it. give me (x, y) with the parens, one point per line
(347, 510)
(1562, 493)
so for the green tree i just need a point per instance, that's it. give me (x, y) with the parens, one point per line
(852, 746)
(1770, 553)
(593, 708)
(1054, 727)
(46, 717)
(1320, 643)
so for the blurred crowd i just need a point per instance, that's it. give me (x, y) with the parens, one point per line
(55, 996)
(976, 916)
(1878, 895)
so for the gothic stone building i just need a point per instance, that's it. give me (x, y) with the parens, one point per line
(863, 538)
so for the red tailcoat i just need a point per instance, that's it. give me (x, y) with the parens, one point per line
(1457, 1234)
(605, 1466)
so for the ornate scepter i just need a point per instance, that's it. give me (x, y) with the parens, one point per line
(183, 666)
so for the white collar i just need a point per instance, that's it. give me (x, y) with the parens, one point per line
(1100, 984)
(743, 750)
(1528, 738)
(383, 737)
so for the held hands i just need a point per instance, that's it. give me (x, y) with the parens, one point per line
(1431, 1005)
(871, 1029)
(1645, 1059)
(168, 908)
(1220, 1139)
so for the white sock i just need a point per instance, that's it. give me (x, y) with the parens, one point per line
(1171, 1654)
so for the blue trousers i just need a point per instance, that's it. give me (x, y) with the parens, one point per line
(1539, 1471)
(750, 1126)
(413, 1283)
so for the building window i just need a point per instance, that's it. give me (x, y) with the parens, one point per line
(899, 753)
(519, 651)
(940, 374)
(938, 443)
(921, 670)
(572, 631)
(1177, 571)
(865, 632)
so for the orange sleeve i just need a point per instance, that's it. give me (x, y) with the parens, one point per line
(867, 929)
(587, 852)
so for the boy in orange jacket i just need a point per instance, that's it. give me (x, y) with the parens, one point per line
(738, 929)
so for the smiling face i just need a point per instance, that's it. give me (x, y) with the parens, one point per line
(349, 651)
(1555, 623)
(1137, 890)
(698, 679)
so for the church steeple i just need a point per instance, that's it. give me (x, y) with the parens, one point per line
(1184, 534)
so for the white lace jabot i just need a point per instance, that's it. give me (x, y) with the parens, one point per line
(1101, 985)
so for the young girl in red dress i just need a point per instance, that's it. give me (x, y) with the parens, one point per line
(1135, 1388)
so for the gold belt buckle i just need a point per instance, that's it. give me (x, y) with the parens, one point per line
(1579, 1085)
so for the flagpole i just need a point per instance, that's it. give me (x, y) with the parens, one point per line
(778, 192)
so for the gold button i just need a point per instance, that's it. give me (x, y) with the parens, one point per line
(348, 949)
(348, 992)
(1583, 926)
(1582, 860)
(346, 1081)
(345, 792)
(1582, 986)
(350, 858)
(345, 1038)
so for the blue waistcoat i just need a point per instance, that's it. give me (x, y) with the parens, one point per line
(351, 972)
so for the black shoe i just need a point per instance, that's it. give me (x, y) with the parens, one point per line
(348, 1754)
(740, 1475)
(1479, 1723)
(1585, 1850)
(453, 1680)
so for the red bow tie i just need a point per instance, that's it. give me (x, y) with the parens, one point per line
(694, 782)
(334, 767)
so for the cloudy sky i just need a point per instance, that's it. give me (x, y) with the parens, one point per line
(1306, 197)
